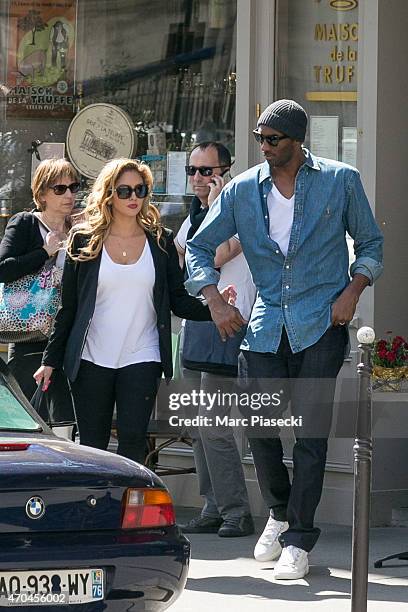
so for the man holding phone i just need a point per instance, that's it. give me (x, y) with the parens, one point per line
(214, 363)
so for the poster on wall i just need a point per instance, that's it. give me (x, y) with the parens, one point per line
(41, 58)
(324, 136)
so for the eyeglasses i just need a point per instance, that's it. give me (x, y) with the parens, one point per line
(125, 191)
(273, 140)
(61, 189)
(203, 170)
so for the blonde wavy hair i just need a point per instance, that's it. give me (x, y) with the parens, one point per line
(98, 211)
(48, 172)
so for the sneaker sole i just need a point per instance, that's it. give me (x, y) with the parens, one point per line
(288, 576)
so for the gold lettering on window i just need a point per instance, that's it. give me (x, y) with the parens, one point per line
(336, 31)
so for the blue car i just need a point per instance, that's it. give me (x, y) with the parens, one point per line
(78, 526)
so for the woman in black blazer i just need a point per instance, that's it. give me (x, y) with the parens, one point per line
(112, 334)
(30, 239)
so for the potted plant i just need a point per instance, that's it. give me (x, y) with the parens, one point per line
(390, 363)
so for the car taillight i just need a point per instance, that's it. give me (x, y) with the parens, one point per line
(13, 446)
(147, 508)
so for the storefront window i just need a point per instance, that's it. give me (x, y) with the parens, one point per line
(169, 65)
(316, 64)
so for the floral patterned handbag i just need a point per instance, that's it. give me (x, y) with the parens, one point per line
(28, 306)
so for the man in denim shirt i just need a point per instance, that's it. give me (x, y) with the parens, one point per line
(292, 214)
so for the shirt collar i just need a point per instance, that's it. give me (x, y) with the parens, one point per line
(310, 160)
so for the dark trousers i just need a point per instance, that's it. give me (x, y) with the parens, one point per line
(133, 389)
(311, 383)
(23, 360)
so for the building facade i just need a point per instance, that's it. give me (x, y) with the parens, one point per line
(183, 71)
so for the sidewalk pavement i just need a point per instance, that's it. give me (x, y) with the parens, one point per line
(224, 577)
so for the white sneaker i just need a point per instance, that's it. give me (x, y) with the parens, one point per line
(268, 548)
(292, 564)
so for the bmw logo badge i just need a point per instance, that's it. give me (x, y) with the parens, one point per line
(35, 507)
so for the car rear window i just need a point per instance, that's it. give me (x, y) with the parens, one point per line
(13, 415)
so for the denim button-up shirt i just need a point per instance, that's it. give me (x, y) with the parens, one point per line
(296, 291)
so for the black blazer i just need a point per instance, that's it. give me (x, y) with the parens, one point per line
(21, 249)
(79, 286)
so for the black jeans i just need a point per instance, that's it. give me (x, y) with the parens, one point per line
(312, 397)
(133, 388)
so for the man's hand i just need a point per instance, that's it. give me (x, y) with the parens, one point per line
(344, 307)
(227, 318)
(215, 185)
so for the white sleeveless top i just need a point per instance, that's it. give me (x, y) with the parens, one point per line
(123, 329)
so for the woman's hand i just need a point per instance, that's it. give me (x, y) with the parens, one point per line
(43, 374)
(54, 241)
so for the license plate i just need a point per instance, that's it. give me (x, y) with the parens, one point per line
(51, 587)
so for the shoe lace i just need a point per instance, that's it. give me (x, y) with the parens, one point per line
(194, 522)
(291, 554)
(231, 522)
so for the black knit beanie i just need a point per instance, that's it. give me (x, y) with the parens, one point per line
(286, 116)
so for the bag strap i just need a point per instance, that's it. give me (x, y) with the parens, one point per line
(39, 399)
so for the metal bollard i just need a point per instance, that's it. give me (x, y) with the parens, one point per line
(362, 475)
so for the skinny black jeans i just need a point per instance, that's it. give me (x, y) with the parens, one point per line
(132, 388)
(311, 381)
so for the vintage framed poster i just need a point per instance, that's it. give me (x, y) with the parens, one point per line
(41, 58)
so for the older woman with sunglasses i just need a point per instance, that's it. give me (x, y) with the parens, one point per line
(113, 333)
(29, 240)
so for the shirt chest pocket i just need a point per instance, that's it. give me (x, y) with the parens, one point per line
(330, 214)
(327, 222)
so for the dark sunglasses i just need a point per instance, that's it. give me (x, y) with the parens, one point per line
(61, 189)
(203, 170)
(125, 191)
(273, 140)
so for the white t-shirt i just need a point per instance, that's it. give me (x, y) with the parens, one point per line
(123, 329)
(235, 272)
(280, 218)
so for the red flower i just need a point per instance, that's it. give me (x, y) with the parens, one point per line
(391, 356)
(391, 353)
(397, 342)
